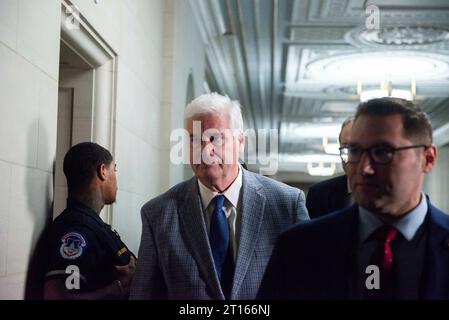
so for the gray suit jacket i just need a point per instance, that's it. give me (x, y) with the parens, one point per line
(175, 258)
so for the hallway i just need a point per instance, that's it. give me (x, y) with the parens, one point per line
(120, 73)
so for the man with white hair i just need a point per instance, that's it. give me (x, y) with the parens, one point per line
(211, 237)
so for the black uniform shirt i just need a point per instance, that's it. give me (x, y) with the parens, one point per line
(79, 237)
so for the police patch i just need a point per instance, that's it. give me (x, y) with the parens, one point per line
(72, 245)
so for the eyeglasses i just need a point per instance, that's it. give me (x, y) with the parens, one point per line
(380, 154)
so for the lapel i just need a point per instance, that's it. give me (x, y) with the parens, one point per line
(194, 231)
(435, 280)
(252, 211)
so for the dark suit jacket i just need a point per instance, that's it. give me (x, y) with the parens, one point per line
(327, 196)
(175, 258)
(314, 260)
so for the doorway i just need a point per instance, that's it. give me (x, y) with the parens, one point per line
(86, 97)
(76, 79)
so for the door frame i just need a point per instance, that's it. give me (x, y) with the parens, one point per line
(80, 37)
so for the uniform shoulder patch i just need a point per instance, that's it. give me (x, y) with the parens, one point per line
(72, 245)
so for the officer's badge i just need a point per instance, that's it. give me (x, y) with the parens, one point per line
(72, 245)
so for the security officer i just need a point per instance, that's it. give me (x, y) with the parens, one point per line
(85, 258)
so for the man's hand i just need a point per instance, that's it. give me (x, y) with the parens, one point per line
(125, 274)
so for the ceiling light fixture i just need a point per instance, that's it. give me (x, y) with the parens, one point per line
(373, 67)
(386, 90)
(330, 148)
(320, 169)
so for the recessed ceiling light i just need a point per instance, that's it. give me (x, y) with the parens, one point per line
(299, 131)
(306, 158)
(377, 66)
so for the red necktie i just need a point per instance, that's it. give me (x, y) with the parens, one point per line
(383, 257)
(389, 234)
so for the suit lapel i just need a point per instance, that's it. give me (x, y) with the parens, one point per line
(194, 231)
(435, 278)
(252, 211)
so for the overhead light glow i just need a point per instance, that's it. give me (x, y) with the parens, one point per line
(395, 93)
(377, 66)
(305, 158)
(330, 148)
(320, 169)
(299, 131)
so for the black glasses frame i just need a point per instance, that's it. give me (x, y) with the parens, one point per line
(391, 150)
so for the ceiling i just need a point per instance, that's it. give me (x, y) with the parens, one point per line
(297, 65)
(68, 58)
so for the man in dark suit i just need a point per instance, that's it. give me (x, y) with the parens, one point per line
(392, 243)
(211, 237)
(333, 194)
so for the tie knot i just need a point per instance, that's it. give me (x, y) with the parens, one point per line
(386, 233)
(219, 201)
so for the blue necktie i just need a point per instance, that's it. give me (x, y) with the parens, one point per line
(219, 235)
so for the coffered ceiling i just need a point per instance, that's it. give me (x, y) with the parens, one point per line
(298, 66)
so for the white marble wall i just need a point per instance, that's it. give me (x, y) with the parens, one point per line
(184, 54)
(29, 51)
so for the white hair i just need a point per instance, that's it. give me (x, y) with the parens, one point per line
(216, 103)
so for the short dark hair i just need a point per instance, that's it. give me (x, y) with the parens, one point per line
(416, 122)
(81, 163)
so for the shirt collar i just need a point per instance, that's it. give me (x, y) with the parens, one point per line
(408, 225)
(232, 193)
